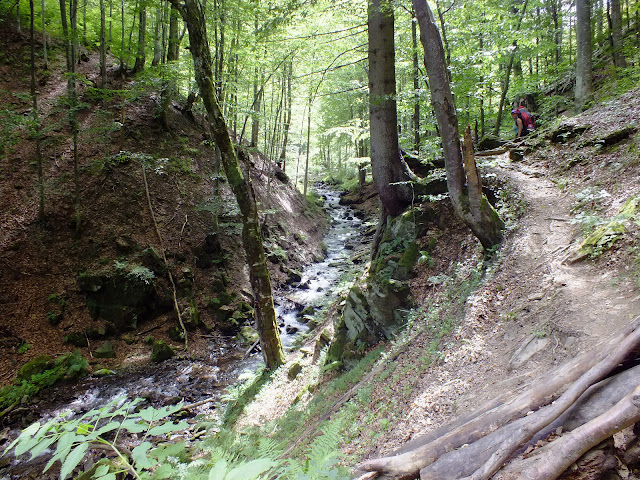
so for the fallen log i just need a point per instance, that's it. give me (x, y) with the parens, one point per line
(579, 374)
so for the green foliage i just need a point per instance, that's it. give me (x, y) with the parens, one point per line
(24, 347)
(135, 271)
(68, 366)
(72, 438)
(10, 123)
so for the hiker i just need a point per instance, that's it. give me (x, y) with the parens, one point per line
(523, 120)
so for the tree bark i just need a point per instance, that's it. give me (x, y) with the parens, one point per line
(389, 174)
(34, 113)
(505, 87)
(583, 55)
(173, 50)
(103, 45)
(141, 56)
(266, 321)
(472, 207)
(416, 84)
(616, 35)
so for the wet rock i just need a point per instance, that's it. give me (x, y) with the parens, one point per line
(247, 335)
(175, 334)
(161, 352)
(291, 330)
(33, 367)
(105, 351)
(294, 371)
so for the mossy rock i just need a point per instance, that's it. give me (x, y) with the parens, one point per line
(77, 339)
(33, 367)
(123, 295)
(294, 371)
(105, 351)
(247, 335)
(161, 351)
(175, 334)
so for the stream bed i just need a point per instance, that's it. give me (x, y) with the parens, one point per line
(204, 381)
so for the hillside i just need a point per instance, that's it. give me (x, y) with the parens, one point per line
(61, 291)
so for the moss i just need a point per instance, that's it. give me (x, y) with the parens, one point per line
(410, 256)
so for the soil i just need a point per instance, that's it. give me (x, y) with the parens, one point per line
(535, 309)
(41, 262)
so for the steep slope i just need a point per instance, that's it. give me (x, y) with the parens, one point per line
(109, 283)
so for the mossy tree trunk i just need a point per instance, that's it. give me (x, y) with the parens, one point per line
(266, 321)
(469, 204)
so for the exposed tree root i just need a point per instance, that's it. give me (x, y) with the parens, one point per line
(477, 446)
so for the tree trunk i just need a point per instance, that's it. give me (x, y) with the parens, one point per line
(616, 35)
(416, 84)
(157, 36)
(471, 206)
(386, 162)
(583, 55)
(34, 114)
(505, 87)
(266, 321)
(255, 114)
(103, 45)
(173, 52)
(306, 163)
(141, 56)
(287, 120)
(44, 38)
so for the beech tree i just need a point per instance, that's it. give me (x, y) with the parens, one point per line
(389, 174)
(471, 205)
(583, 56)
(266, 322)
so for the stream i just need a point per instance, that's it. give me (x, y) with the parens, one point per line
(204, 380)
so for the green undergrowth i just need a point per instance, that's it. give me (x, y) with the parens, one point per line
(41, 372)
(354, 425)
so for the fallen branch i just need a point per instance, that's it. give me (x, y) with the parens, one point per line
(164, 258)
(428, 449)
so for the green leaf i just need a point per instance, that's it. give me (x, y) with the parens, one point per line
(163, 471)
(219, 470)
(84, 429)
(134, 426)
(73, 459)
(168, 427)
(108, 476)
(170, 450)
(139, 455)
(108, 428)
(101, 470)
(250, 470)
(43, 445)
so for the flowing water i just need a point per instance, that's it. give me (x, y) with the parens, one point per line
(196, 381)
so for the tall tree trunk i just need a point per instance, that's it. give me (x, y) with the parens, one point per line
(505, 87)
(103, 45)
(123, 66)
(173, 52)
(287, 119)
(616, 35)
(389, 174)
(306, 165)
(157, 36)
(44, 38)
(583, 59)
(257, 105)
(141, 56)
(266, 321)
(34, 113)
(416, 84)
(471, 206)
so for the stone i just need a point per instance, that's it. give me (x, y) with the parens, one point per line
(33, 367)
(175, 334)
(294, 371)
(105, 351)
(77, 339)
(161, 351)
(103, 372)
(247, 335)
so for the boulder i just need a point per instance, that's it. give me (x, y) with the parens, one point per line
(161, 352)
(33, 367)
(105, 351)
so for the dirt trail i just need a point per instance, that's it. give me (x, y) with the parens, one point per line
(533, 313)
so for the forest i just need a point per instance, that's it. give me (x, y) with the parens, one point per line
(306, 239)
